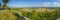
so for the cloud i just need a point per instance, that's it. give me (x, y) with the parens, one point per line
(39, 4)
(50, 4)
(56, 4)
(46, 4)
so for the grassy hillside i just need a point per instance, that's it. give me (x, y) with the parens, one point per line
(33, 14)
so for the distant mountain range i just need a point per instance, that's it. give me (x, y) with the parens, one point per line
(40, 7)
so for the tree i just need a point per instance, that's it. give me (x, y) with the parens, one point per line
(5, 2)
(0, 4)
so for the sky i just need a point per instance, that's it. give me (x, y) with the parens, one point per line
(33, 3)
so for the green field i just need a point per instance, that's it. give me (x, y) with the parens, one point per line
(32, 13)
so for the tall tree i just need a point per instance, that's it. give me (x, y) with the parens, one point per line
(5, 2)
(0, 4)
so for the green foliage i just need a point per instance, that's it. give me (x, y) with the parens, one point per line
(33, 15)
(41, 15)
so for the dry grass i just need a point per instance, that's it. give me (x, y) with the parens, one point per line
(8, 15)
